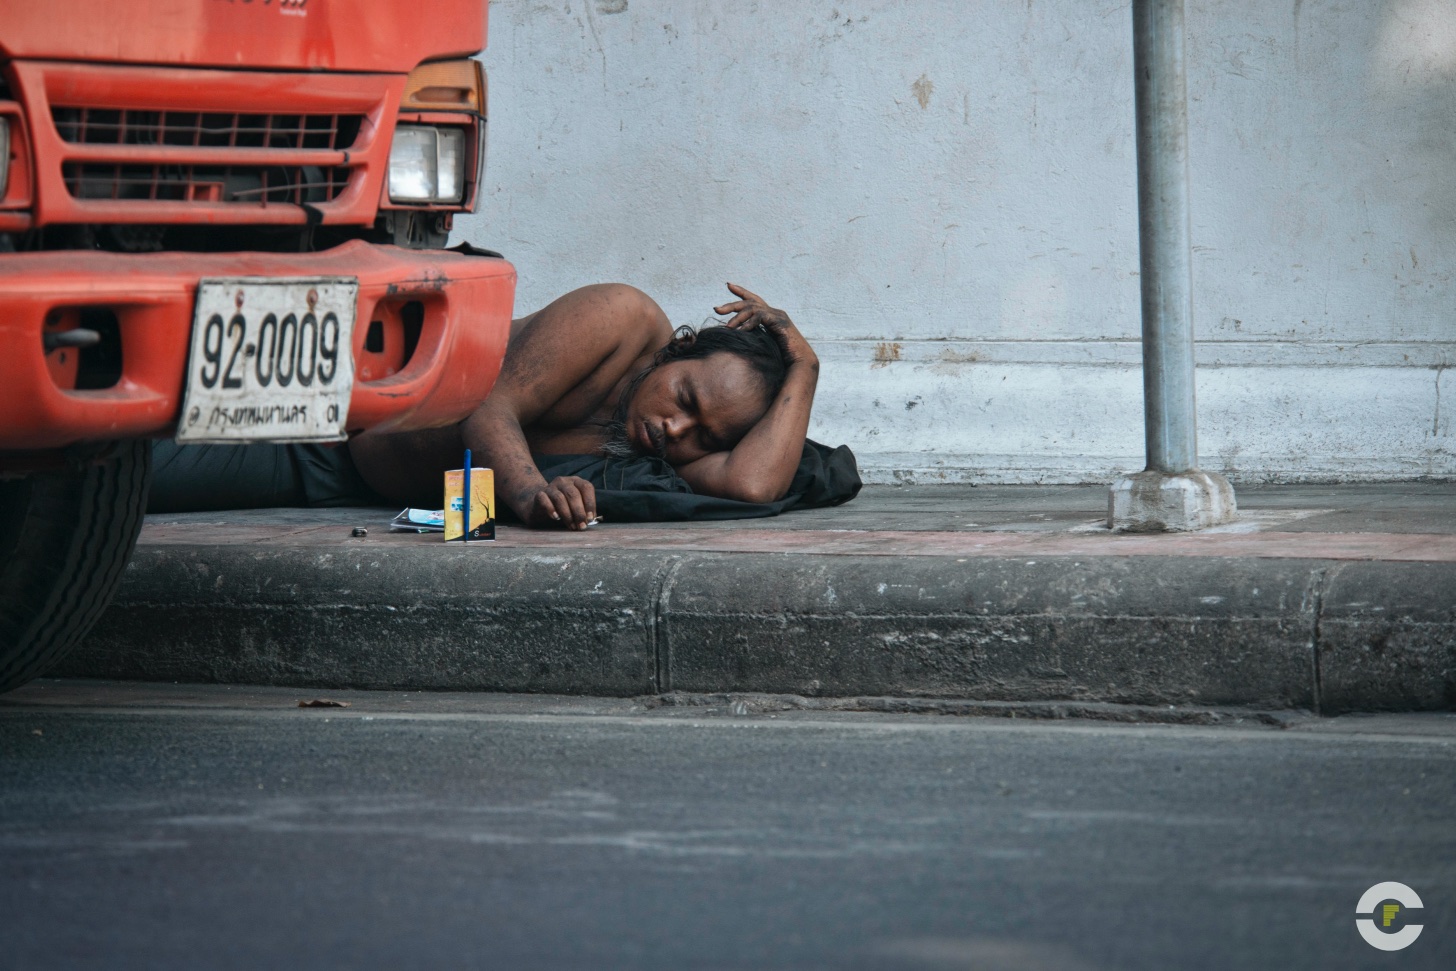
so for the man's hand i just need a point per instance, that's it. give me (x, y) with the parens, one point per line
(751, 311)
(566, 500)
(761, 467)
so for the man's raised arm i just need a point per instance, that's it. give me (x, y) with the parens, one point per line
(761, 467)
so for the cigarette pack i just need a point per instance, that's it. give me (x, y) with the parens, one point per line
(482, 504)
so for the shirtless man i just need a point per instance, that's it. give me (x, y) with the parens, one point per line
(600, 370)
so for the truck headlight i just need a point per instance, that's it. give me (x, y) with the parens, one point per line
(427, 164)
(4, 156)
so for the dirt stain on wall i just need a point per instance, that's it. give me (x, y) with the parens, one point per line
(923, 88)
(885, 352)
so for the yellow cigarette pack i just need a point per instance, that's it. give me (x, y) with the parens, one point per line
(482, 504)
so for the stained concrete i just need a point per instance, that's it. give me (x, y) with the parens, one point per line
(1009, 594)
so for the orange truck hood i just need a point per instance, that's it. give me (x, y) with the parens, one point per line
(324, 35)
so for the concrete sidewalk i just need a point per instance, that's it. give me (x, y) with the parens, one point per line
(1330, 598)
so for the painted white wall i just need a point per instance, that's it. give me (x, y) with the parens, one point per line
(942, 194)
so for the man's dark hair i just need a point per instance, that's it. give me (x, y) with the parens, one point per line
(759, 348)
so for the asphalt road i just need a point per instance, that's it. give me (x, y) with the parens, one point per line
(158, 827)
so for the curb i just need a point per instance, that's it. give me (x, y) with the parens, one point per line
(1325, 635)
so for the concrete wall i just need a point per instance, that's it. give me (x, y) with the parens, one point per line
(942, 193)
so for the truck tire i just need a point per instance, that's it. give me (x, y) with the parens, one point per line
(65, 537)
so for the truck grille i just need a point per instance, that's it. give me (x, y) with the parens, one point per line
(165, 146)
(125, 126)
(205, 183)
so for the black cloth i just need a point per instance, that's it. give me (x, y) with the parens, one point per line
(646, 489)
(206, 478)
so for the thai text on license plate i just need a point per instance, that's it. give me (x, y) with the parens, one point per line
(271, 360)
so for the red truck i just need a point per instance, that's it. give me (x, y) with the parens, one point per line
(221, 221)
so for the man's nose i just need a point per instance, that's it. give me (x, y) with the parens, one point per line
(676, 427)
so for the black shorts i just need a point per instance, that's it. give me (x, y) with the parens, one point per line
(198, 478)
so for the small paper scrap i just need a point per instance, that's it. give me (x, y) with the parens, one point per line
(418, 521)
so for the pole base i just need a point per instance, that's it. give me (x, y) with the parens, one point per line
(1159, 502)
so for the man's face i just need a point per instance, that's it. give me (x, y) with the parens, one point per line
(684, 410)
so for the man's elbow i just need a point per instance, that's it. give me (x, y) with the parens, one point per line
(760, 492)
(727, 483)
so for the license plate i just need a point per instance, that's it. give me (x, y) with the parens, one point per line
(271, 361)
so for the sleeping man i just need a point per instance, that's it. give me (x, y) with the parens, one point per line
(601, 371)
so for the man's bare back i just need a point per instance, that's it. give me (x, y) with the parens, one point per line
(581, 370)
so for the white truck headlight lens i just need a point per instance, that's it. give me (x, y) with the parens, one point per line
(4, 156)
(450, 163)
(427, 164)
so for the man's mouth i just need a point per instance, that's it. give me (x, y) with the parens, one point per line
(651, 440)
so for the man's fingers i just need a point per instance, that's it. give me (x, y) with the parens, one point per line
(578, 508)
(555, 505)
(567, 500)
(545, 506)
(562, 505)
(745, 294)
(749, 312)
(588, 497)
(569, 488)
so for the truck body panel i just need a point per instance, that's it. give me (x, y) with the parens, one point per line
(292, 35)
(226, 119)
(459, 306)
(178, 177)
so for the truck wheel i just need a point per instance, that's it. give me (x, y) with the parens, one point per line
(65, 537)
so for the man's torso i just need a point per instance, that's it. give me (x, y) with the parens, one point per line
(407, 466)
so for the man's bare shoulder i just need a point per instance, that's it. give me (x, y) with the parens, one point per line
(576, 350)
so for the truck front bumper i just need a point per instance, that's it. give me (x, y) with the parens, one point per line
(431, 334)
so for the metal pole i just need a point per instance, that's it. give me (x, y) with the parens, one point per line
(1171, 493)
(1163, 235)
